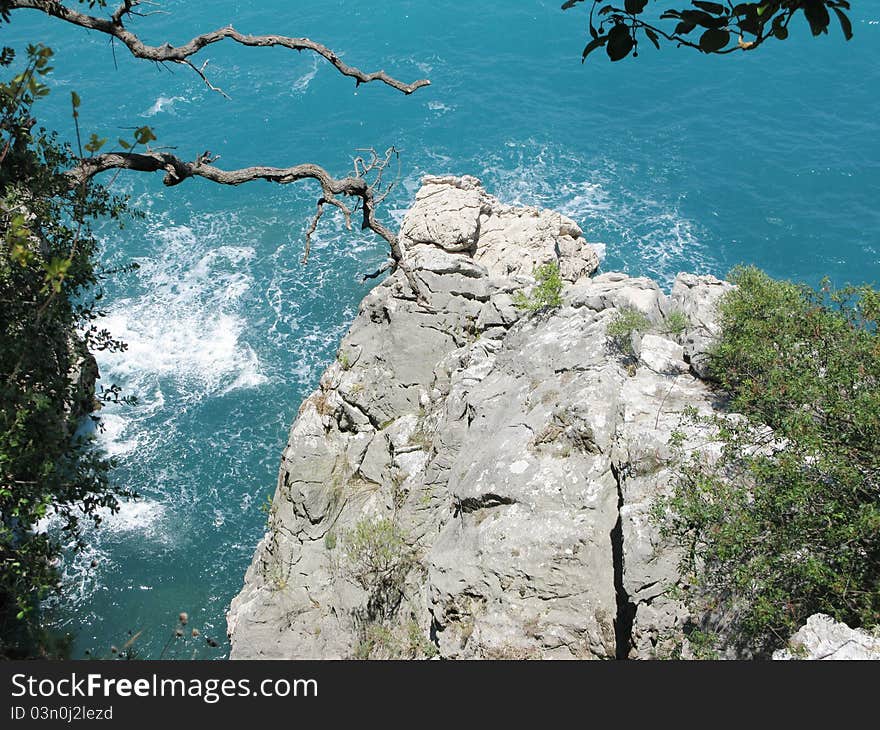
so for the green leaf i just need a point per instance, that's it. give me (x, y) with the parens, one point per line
(620, 42)
(95, 143)
(779, 28)
(653, 37)
(593, 45)
(634, 6)
(74, 99)
(698, 17)
(817, 16)
(845, 23)
(713, 40)
(144, 135)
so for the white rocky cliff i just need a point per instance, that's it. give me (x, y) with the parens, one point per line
(490, 469)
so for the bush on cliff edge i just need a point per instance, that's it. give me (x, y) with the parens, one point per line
(49, 295)
(787, 521)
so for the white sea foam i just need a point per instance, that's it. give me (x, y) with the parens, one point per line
(650, 232)
(440, 107)
(164, 104)
(135, 515)
(143, 516)
(301, 85)
(83, 571)
(185, 323)
(114, 435)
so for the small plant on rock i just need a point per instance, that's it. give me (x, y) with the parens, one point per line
(676, 322)
(627, 322)
(376, 642)
(547, 292)
(377, 555)
(401, 641)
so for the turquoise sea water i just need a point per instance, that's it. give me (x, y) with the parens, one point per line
(672, 162)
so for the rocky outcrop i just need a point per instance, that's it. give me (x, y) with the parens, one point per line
(824, 638)
(493, 468)
(697, 298)
(83, 377)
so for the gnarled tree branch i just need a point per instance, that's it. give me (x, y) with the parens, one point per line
(366, 192)
(114, 27)
(717, 28)
(365, 185)
(177, 170)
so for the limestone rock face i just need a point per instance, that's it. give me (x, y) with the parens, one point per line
(456, 214)
(515, 454)
(84, 376)
(697, 297)
(824, 638)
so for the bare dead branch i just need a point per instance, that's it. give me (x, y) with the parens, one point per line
(312, 229)
(177, 171)
(366, 185)
(114, 27)
(201, 72)
(378, 272)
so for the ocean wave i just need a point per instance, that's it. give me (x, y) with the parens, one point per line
(84, 572)
(134, 515)
(186, 323)
(633, 228)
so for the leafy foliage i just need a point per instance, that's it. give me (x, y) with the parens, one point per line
(786, 522)
(675, 323)
(547, 292)
(377, 556)
(407, 641)
(48, 294)
(709, 27)
(627, 321)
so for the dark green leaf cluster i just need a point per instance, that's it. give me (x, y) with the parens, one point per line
(786, 522)
(49, 291)
(710, 27)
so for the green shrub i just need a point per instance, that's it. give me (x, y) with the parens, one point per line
(675, 323)
(381, 641)
(417, 644)
(547, 292)
(626, 322)
(786, 523)
(376, 642)
(50, 279)
(377, 555)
